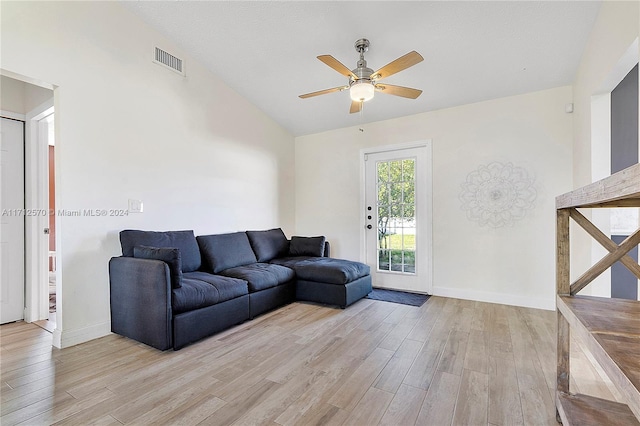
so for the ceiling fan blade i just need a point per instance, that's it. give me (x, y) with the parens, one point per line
(405, 92)
(337, 65)
(356, 106)
(402, 63)
(323, 92)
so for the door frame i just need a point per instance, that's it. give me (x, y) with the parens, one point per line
(37, 199)
(427, 144)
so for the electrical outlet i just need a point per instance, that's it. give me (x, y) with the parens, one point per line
(135, 206)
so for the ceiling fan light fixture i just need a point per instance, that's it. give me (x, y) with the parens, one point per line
(361, 91)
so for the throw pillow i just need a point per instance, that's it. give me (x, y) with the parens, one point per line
(171, 256)
(268, 244)
(307, 246)
(224, 251)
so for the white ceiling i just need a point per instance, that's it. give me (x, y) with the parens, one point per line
(473, 51)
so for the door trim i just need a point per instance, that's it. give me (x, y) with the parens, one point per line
(12, 115)
(37, 198)
(425, 143)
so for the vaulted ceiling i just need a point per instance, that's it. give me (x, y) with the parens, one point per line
(473, 51)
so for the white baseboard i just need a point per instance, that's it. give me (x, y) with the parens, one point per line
(500, 298)
(66, 338)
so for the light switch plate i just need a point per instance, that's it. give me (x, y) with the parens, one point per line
(135, 206)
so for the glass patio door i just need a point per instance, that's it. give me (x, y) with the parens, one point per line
(398, 218)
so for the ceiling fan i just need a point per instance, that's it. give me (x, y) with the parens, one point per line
(363, 81)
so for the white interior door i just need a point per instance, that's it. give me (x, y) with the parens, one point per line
(398, 218)
(12, 221)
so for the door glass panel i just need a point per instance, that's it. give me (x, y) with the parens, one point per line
(396, 215)
(395, 171)
(383, 172)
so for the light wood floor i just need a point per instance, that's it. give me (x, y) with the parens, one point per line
(448, 362)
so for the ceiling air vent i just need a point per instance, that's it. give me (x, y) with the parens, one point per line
(168, 60)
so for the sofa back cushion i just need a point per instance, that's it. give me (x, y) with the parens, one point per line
(224, 251)
(307, 246)
(171, 256)
(268, 244)
(184, 241)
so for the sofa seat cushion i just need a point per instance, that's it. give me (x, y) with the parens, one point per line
(200, 289)
(324, 269)
(185, 241)
(261, 276)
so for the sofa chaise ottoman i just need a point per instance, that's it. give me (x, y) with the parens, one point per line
(327, 280)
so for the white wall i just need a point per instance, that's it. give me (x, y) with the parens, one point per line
(19, 97)
(609, 55)
(514, 264)
(12, 95)
(196, 153)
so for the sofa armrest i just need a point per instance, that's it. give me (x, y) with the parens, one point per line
(140, 291)
(327, 249)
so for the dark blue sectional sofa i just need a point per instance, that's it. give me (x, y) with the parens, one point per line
(170, 289)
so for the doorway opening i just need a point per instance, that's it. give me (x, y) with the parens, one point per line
(615, 146)
(33, 101)
(624, 153)
(49, 126)
(44, 283)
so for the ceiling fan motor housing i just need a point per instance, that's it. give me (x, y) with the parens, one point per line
(363, 73)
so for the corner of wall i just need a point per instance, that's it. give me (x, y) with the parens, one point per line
(64, 339)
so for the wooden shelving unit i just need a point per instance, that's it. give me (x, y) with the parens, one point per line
(609, 328)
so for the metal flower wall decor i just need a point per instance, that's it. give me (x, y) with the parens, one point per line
(497, 194)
